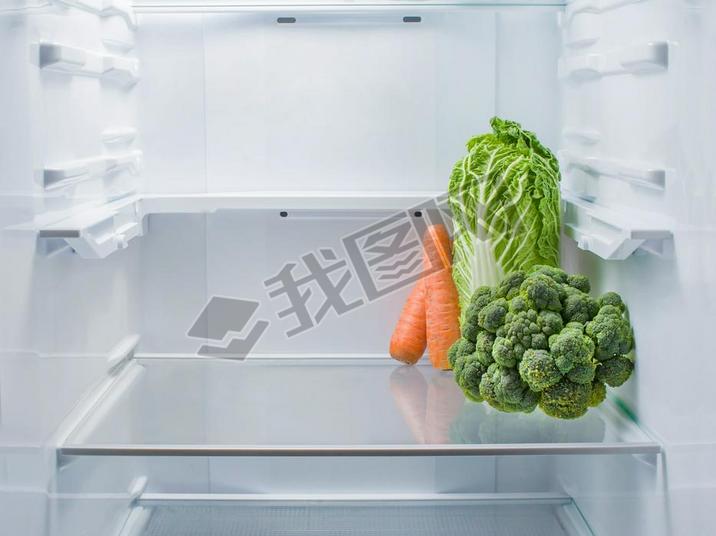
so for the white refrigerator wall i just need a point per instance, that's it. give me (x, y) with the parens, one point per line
(660, 120)
(341, 101)
(60, 315)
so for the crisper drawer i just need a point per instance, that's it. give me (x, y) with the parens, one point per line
(473, 517)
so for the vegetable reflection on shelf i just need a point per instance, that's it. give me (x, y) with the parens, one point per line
(436, 413)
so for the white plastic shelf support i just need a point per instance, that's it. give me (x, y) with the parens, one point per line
(97, 232)
(637, 59)
(82, 62)
(70, 173)
(610, 234)
(636, 174)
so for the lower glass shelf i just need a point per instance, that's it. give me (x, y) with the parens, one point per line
(323, 407)
(555, 517)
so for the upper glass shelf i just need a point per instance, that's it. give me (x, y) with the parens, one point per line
(324, 407)
(141, 5)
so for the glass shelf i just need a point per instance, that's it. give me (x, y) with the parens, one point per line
(416, 518)
(324, 407)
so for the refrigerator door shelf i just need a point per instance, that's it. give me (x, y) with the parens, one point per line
(70, 173)
(78, 61)
(610, 234)
(634, 173)
(97, 232)
(637, 59)
(233, 408)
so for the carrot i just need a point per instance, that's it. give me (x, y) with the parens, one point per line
(441, 300)
(408, 341)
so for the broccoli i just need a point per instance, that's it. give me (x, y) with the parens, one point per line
(556, 274)
(492, 316)
(570, 348)
(580, 282)
(539, 339)
(484, 344)
(613, 299)
(470, 376)
(541, 292)
(460, 348)
(470, 328)
(610, 332)
(578, 306)
(615, 371)
(537, 368)
(503, 389)
(599, 393)
(566, 399)
(510, 285)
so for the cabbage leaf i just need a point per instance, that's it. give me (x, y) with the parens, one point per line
(504, 197)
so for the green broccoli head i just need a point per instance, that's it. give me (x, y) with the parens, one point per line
(566, 399)
(492, 316)
(541, 292)
(578, 306)
(615, 371)
(611, 333)
(509, 287)
(503, 389)
(556, 274)
(460, 348)
(570, 348)
(599, 394)
(580, 282)
(504, 353)
(538, 370)
(470, 377)
(578, 326)
(613, 299)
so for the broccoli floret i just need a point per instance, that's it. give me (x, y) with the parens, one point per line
(566, 399)
(613, 299)
(518, 304)
(570, 348)
(492, 316)
(460, 348)
(503, 352)
(509, 287)
(503, 389)
(541, 292)
(583, 372)
(578, 306)
(537, 368)
(470, 377)
(610, 332)
(549, 322)
(576, 326)
(615, 371)
(556, 274)
(599, 393)
(483, 347)
(470, 327)
(580, 282)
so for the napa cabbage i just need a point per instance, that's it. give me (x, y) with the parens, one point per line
(504, 197)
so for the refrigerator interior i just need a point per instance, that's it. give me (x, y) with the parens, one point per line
(159, 156)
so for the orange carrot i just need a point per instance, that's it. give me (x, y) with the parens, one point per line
(408, 341)
(441, 300)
